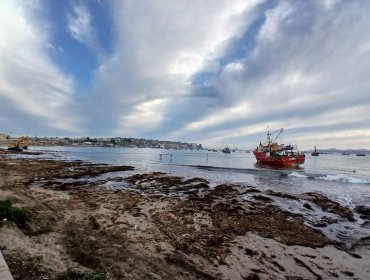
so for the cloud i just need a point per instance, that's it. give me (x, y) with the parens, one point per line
(216, 72)
(308, 67)
(35, 96)
(50, 46)
(160, 47)
(79, 25)
(88, 23)
(256, 64)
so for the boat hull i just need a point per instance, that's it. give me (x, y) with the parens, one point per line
(280, 160)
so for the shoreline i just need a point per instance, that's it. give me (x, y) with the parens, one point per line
(162, 226)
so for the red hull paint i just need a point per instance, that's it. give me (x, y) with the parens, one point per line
(279, 161)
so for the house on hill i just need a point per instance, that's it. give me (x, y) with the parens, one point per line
(2, 137)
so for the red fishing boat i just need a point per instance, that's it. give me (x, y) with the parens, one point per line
(279, 155)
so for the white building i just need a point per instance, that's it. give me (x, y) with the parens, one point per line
(2, 137)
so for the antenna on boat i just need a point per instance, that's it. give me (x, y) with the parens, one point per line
(269, 134)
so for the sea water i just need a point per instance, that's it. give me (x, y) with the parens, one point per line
(345, 179)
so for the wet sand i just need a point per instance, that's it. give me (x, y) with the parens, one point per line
(163, 227)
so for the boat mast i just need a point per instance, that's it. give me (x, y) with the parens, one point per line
(268, 137)
(269, 142)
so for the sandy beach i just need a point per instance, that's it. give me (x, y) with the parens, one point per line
(162, 227)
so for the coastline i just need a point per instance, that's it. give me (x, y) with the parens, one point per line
(162, 226)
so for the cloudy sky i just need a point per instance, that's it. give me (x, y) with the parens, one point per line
(213, 72)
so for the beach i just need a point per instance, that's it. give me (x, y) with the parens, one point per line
(161, 226)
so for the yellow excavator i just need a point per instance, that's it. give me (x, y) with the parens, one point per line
(20, 144)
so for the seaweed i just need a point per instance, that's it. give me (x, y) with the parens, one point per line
(17, 215)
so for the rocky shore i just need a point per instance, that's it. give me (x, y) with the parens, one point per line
(80, 225)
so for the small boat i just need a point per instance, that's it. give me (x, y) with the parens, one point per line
(345, 154)
(360, 155)
(279, 155)
(315, 153)
(226, 150)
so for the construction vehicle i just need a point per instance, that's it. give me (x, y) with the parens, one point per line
(19, 144)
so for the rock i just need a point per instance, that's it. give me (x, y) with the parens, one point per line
(252, 276)
(250, 252)
(262, 198)
(318, 223)
(366, 224)
(308, 206)
(364, 211)
(348, 273)
(283, 195)
(330, 206)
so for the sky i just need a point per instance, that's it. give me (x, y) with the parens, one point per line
(215, 72)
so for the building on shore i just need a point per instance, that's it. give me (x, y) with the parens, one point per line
(2, 137)
(114, 142)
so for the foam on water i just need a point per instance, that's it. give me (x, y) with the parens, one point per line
(297, 175)
(345, 200)
(335, 178)
(343, 178)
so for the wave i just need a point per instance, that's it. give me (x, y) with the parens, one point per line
(336, 178)
(344, 179)
(297, 175)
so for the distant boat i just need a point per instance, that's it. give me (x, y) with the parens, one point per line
(345, 154)
(226, 150)
(280, 155)
(315, 153)
(360, 155)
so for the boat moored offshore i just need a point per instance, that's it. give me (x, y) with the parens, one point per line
(315, 153)
(279, 155)
(226, 150)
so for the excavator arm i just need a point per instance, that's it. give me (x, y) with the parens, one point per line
(19, 143)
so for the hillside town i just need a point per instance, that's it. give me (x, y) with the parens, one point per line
(103, 142)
